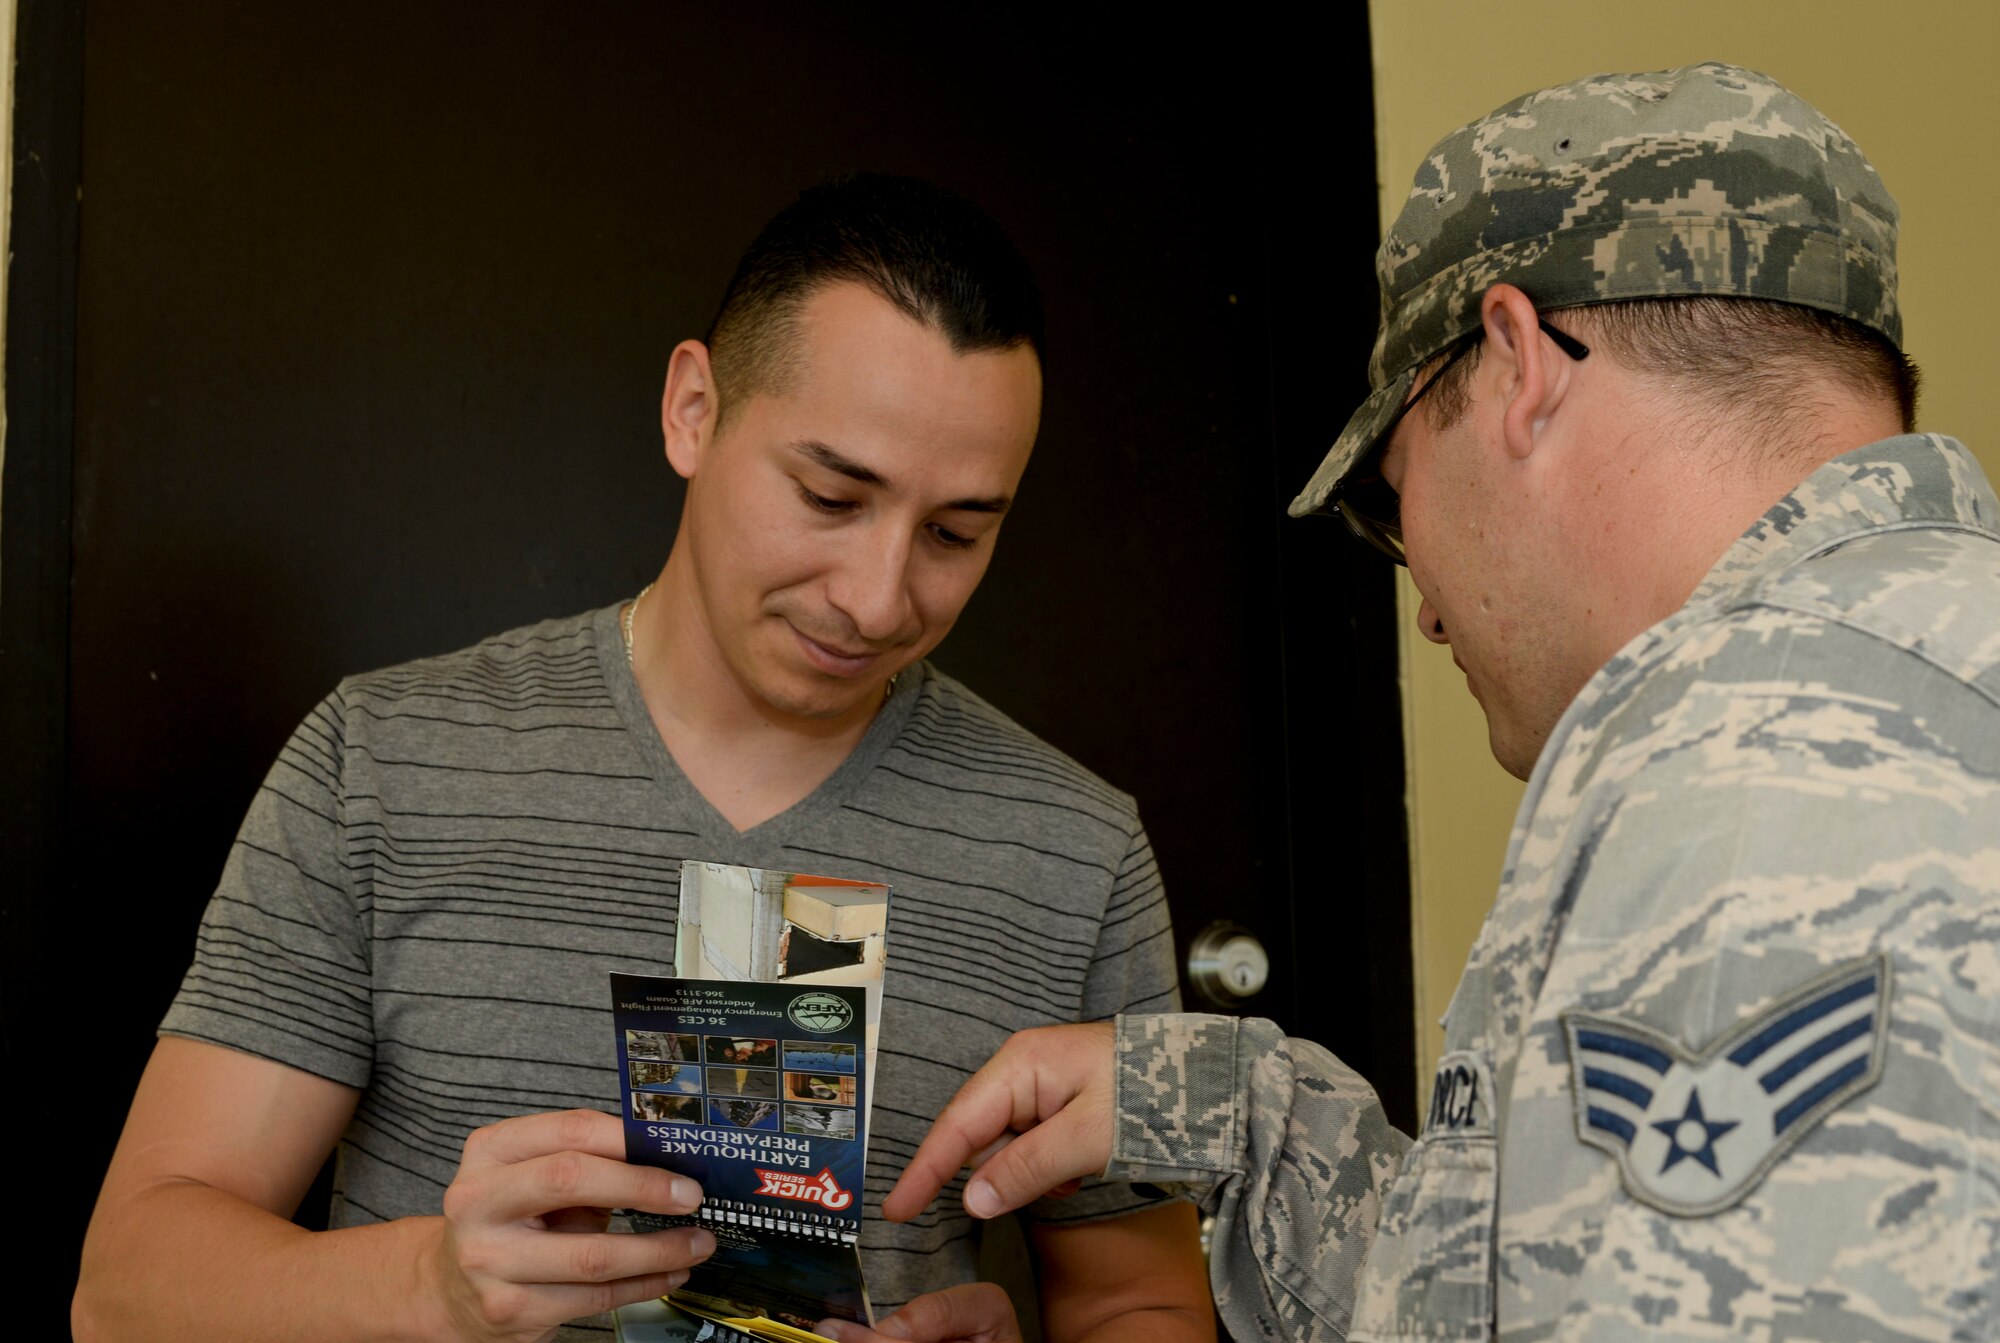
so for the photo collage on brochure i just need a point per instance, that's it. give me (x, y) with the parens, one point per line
(765, 1084)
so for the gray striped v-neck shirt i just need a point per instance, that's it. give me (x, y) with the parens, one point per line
(449, 857)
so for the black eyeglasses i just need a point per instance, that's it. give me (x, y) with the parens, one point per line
(1365, 501)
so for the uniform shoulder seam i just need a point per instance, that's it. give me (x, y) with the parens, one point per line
(1793, 591)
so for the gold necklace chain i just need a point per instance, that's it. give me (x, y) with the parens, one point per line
(625, 623)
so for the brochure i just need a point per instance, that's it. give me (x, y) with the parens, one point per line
(787, 927)
(752, 1071)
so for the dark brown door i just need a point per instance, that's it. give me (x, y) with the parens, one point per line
(372, 304)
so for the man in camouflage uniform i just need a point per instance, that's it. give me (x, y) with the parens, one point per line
(1725, 1060)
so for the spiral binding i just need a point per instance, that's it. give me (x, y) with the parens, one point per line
(817, 1226)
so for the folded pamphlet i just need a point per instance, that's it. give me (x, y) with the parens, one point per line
(752, 1071)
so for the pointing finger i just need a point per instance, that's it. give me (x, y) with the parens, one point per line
(1051, 1154)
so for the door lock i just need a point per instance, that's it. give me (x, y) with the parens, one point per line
(1227, 964)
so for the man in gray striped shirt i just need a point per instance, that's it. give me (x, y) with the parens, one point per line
(406, 957)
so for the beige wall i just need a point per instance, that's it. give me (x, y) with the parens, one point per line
(1911, 83)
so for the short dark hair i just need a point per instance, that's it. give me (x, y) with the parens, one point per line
(1741, 356)
(936, 256)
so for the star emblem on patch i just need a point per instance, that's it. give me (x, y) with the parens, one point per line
(1693, 1131)
(1693, 1135)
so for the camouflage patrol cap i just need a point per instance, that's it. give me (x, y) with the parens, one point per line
(1709, 179)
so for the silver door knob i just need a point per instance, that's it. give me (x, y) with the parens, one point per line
(1227, 964)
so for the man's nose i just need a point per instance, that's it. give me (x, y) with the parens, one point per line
(1431, 623)
(872, 587)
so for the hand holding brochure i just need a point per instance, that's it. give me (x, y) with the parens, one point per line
(760, 1090)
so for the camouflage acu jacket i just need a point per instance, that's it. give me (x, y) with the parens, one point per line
(1725, 1060)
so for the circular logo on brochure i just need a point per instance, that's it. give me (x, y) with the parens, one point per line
(820, 1013)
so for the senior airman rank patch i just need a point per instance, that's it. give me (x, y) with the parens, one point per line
(1694, 1132)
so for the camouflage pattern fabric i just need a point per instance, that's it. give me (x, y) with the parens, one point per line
(1705, 180)
(1759, 859)
(1313, 1167)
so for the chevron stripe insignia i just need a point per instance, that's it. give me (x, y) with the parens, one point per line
(1693, 1132)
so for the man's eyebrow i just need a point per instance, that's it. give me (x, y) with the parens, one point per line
(833, 461)
(827, 457)
(999, 503)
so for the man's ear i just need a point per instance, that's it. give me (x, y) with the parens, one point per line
(689, 407)
(1534, 377)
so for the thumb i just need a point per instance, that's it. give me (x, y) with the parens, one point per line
(1074, 1142)
(979, 1312)
(973, 1310)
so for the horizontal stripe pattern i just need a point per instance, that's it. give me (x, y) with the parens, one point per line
(449, 857)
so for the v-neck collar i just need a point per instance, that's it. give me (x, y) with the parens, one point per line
(723, 842)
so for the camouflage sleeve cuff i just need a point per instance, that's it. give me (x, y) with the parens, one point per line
(1177, 1080)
